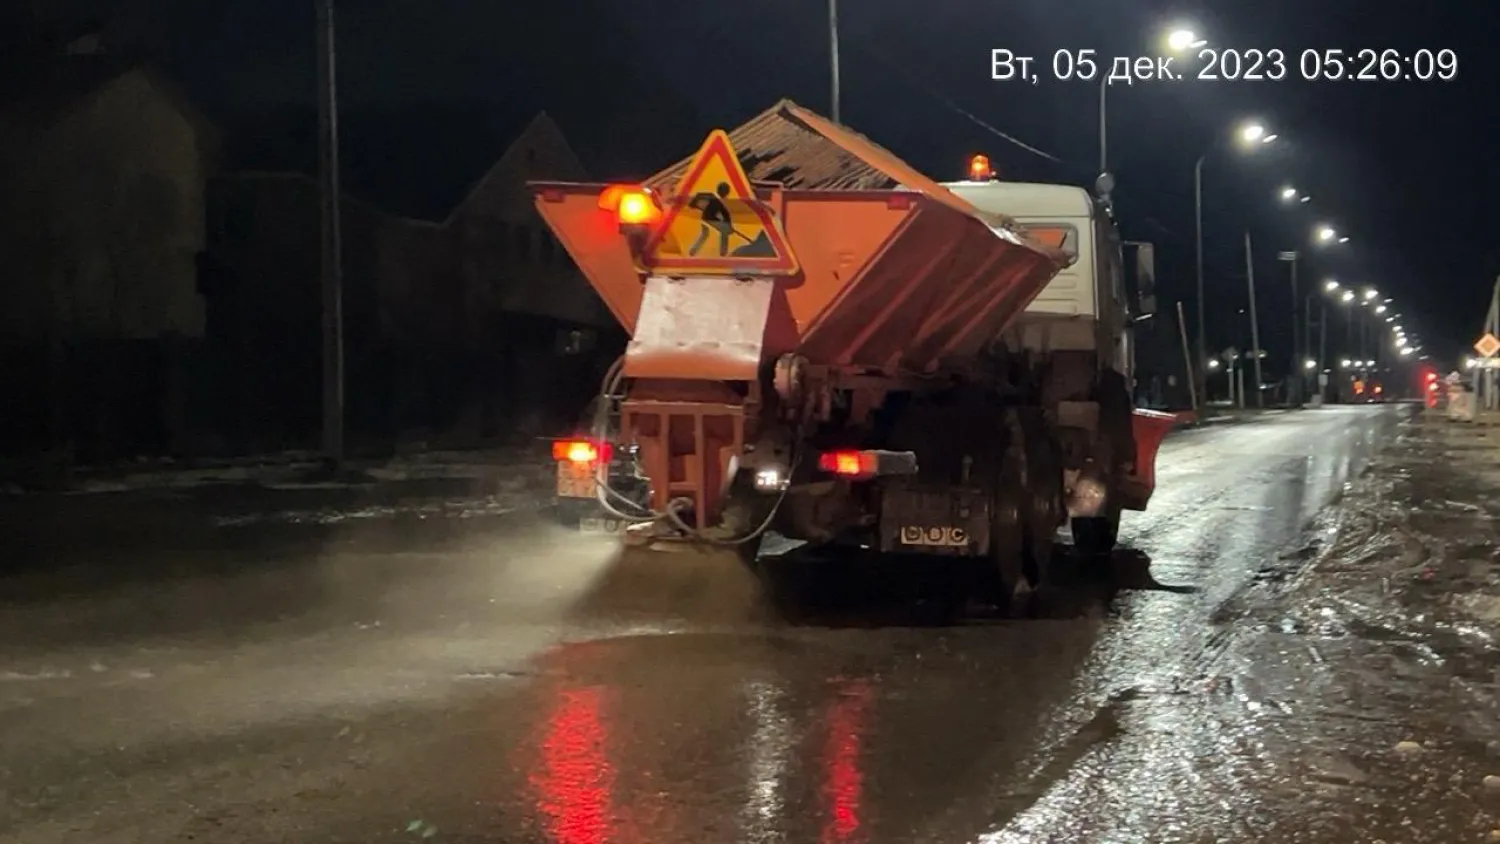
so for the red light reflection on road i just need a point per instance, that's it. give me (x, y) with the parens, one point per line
(574, 781)
(845, 785)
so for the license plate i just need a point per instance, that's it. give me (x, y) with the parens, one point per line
(944, 537)
(609, 526)
(575, 480)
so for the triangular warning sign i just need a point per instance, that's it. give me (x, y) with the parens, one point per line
(714, 225)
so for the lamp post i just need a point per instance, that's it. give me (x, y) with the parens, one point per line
(332, 249)
(1250, 135)
(1294, 385)
(833, 52)
(1177, 41)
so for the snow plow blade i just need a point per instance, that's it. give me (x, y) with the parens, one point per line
(1149, 428)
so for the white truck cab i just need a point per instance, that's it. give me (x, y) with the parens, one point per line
(1086, 307)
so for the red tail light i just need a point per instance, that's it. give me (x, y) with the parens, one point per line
(581, 451)
(848, 464)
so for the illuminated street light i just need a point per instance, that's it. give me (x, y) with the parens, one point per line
(1180, 40)
(1305, 199)
(1348, 296)
(1330, 285)
(1252, 132)
(1343, 240)
(1380, 309)
(1213, 363)
(1405, 351)
(1309, 364)
(1371, 293)
(1248, 134)
(1288, 193)
(1326, 233)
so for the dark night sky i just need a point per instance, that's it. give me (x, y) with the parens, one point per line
(1405, 168)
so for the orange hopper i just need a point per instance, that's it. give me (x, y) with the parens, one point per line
(897, 274)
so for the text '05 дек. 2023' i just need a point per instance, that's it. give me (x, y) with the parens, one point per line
(1232, 65)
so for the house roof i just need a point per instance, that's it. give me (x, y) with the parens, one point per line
(542, 127)
(48, 90)
(312, 188)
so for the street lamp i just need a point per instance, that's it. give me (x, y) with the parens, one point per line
(1250, 133)
(1380, 309)
(1348, 296)
(1180, 40)
(1288, 194)
(1371, 293)
(1326, 234)
(1177, 40)
(1330, 285)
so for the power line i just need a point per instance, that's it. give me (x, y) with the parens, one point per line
(924, 89)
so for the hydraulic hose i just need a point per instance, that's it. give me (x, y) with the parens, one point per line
(672, 514)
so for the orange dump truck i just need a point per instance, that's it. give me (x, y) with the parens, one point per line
(830, 346)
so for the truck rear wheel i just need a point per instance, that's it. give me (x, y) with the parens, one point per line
(1115, 452)
(1043, 487)
(1008, 518)
(1097, 536)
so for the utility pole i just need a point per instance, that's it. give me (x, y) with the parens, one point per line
(833, 52)
(1493, 327)
(1322, 351)
(1198, 240)
(1294, 372)
(1104, 124)
(1260, 400)
(332, 248)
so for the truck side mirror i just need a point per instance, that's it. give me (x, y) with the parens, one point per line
(1145, 278)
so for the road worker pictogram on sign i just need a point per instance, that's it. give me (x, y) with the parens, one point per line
(714, 225)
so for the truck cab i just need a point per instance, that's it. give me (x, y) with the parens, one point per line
(1086, 307)
(1082, 325)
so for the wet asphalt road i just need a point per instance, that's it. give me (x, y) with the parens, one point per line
(495, 679)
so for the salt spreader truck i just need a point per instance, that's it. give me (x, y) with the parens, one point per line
(827, 344)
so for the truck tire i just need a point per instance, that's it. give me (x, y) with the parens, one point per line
(1096, 536)
(1043, 485)
(1008, 518)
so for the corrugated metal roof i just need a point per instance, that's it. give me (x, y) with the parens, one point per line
(777, 146)
(800, 149)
